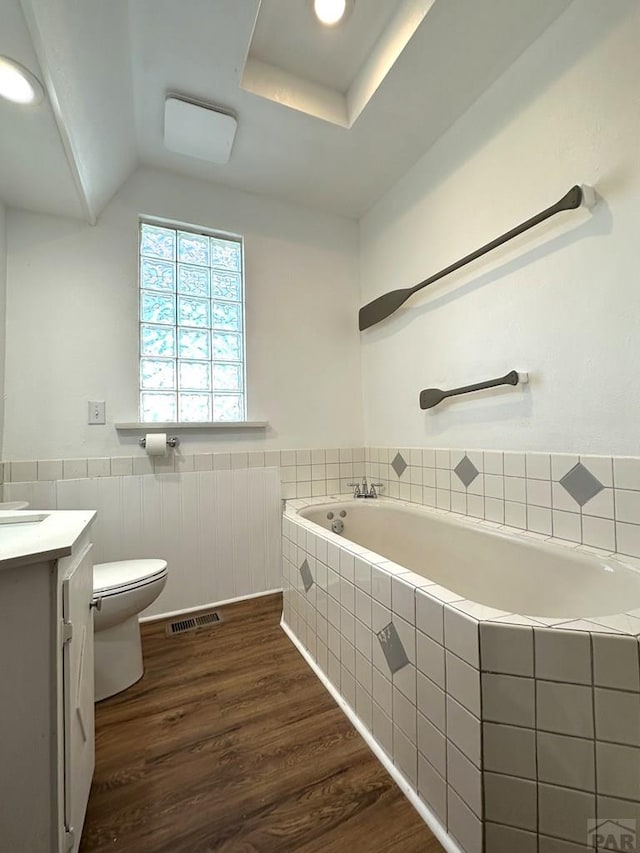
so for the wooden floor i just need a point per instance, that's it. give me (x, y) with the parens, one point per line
(231, 743)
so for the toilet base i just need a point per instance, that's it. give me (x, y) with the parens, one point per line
(118, 658)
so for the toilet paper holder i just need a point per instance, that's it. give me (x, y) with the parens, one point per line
(172, 441)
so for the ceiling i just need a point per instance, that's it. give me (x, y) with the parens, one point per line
(108, 66)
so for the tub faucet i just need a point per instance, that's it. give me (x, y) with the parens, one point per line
(364, 490)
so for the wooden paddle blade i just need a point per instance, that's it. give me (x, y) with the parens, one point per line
(430, 397)
(382, 307)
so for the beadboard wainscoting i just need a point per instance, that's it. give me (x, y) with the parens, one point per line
(219, 531)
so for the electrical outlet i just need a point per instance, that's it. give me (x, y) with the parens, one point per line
(96, 412)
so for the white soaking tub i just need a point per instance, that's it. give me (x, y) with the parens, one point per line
(478, 661)
(488, 565)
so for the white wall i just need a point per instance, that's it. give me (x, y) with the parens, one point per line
(72, 321)
(3, 293)
(563, 302)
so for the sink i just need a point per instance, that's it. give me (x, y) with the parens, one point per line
(7, 505)
(11, 518)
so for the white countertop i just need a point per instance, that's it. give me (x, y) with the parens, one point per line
(34, 541)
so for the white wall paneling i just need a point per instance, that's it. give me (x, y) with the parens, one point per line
(218, 530)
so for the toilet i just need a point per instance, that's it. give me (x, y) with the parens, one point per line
(121, 591)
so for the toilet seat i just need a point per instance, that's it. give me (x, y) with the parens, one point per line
(126, 575)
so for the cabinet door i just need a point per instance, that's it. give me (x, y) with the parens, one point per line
(77, 668)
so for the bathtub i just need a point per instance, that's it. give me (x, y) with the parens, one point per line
(494, 671)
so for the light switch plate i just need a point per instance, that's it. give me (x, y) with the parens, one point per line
(97, 411)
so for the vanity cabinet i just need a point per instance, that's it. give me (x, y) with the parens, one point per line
(46, 682)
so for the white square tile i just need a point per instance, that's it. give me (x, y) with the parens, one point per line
(100, 467)
(510, 801)
(428, 458)
(464, 730)
(50, 469)
(73, 469)
(617, 716)
(538, 466)
(564, 708)
(515, 489)
(567, 525)
(347, 595)
(382, 691)
(494, 486)
(463, 683)
(565, 813)
(515, 515)
(432, 788)
(539, 520)
(431, 701)
(465, 778)
(599, 532)
(430, 615)
(628, 539)
(442, 458)
(506, 839)
(348, 655)
(562, 500)
(494, 510)
(27, 472)
(363, 607)
(563, 655)
(508, 699)
(405, 755)
(539, 492)
(463, 824)
(430, 658)
(432, 744)
(506, 649)
(493, 462)
(567, 761)
(363, 639)
(514, 464)
(510, 750)
(627, 506)
(615, 662)
(403, 599)
(363, 574)
(626, 472)
(475, 505)
(601, 467)
(618, 770)
(382, 729)
(461, 635)
(364, 705)
(347, 565)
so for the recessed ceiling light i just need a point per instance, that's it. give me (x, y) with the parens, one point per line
(329, 12)
(18, 84)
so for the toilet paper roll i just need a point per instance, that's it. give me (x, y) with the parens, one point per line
(156, 443)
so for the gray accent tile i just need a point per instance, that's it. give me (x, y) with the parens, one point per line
(398, 464)
(466, 471)
(581, 484)
(307, 577)
(392, 648)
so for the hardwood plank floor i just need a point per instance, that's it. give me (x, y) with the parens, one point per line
(231, 743)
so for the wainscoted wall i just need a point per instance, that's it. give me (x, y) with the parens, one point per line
(218, 530)
(215, 517)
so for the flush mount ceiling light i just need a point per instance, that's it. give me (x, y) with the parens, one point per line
(330, 12)
(198, 130)
(18, 84)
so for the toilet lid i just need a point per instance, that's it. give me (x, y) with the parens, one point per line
(125, 573)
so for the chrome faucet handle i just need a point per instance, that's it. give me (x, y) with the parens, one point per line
(373, 489)
(356, 489)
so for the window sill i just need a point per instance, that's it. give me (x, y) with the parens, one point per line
(201, 425)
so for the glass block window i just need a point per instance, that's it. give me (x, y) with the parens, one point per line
(191, 325)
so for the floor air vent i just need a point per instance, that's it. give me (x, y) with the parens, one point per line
(192, 623)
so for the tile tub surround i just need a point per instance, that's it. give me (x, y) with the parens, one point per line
(589, 500)
(514, 732)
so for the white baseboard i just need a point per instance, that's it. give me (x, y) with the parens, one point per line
(405, 786)
(158, 617)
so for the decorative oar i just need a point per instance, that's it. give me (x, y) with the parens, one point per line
(430, 397)
(384, 306)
